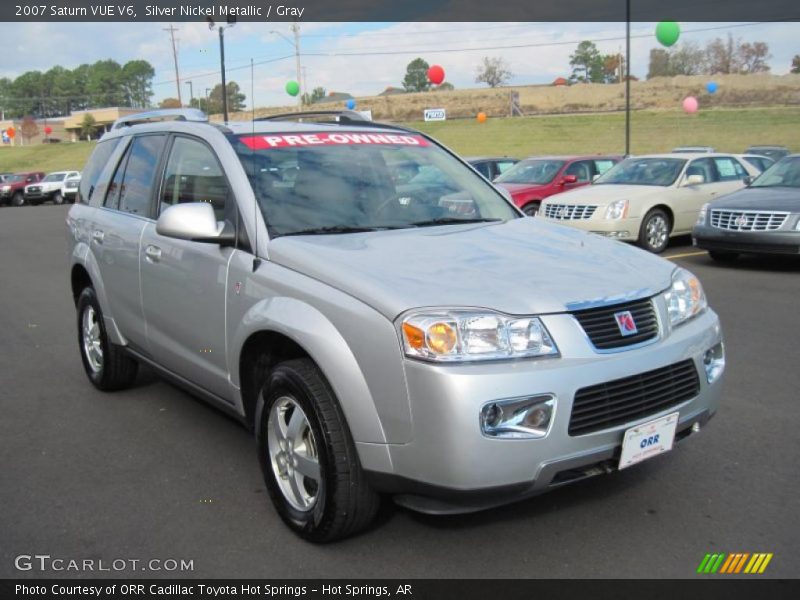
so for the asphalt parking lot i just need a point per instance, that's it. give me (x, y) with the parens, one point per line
(153, 473)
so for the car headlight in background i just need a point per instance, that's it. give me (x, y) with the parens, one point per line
(617, 210)
(685, 298)
(463, 335)
(701, 216)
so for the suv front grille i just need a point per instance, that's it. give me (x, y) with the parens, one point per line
(35, 188)
(624, 400)
(748, 220)
(569, 212)
(600, 324)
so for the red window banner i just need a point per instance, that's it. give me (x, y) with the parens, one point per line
(267, 142)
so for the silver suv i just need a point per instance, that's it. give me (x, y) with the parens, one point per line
(381, 331)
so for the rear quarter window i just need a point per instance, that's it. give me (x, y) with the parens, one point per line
(93, 169)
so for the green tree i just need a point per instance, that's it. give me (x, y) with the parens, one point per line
(795, 64)
(105, 85)
(416, 79)
(88, 126)
(235, 98)
(317, 94)
(586, 63)
(493, 71)
(137, 81)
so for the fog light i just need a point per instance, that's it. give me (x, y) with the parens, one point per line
(696, 427)
(528, 417)
(714, 362)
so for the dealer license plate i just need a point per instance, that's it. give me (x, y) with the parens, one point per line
(648, 440)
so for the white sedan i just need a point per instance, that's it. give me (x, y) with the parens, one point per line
(648, 199)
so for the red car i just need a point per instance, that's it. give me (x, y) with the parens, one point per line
(12, 189)
(532, 180)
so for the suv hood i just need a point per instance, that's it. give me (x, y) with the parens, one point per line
(522, 266)
(607, 193)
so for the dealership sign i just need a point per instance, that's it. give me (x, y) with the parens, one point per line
(435, 114)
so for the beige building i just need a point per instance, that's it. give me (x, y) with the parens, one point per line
(103, 117)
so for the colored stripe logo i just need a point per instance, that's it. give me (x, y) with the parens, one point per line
(735, 563)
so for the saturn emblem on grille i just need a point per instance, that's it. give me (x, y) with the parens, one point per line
(561, 212)
(741, 221)
(626, 324)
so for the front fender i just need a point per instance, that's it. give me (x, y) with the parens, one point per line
(323, 342)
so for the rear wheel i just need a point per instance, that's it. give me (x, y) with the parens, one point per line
(531, 209)
(723, 256)
(18, 199)
(106, 364)
(654, 232)
(308, 457)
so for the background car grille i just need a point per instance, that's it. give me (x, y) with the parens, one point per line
(748, 220)
(34, 188)
(623, 400)
(601, 325)
(569, 212)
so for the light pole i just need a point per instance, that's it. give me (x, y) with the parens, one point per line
(206, 108)
(221, 29)
(296, 44)
(191, 93)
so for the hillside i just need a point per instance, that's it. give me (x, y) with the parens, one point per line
(661, 93)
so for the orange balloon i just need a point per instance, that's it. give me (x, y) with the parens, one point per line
(11, 132)
(481, 117)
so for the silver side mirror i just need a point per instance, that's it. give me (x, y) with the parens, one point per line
(193, 221)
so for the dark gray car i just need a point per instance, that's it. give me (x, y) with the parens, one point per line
(763, 218)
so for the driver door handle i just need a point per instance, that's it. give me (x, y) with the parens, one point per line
(152, 253)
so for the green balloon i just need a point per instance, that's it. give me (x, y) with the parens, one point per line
(292, 88)
(668, 32)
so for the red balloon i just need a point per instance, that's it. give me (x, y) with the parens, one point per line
(436, 74)
(11, 132)
(48, 130)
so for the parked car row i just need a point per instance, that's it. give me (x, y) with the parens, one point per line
(18, 189)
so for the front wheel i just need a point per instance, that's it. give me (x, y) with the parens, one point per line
(18, 199)
(308, 457)
(531, 209)
(654, 233)
(58, 198)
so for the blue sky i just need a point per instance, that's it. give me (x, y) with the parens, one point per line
(360, 58)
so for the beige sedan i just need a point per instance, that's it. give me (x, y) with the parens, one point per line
(648, 199)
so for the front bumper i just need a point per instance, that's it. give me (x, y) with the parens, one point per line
(622, 229)
(757, 242)
(450, 466)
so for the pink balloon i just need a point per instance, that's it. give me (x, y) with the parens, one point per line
(690, 104)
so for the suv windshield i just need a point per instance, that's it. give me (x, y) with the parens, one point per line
(55, 177)
(15, 178)
(531, 171)
(643, 171)
(345, 182)
(784, 173)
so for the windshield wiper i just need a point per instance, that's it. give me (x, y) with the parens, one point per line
(450, 221)
(336, 229)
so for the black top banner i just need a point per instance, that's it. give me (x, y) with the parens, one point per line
(221, 11)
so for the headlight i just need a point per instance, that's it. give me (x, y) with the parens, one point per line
(701, 217)
(6, 188)
(617, 210)
(462, 335)
(685, 298)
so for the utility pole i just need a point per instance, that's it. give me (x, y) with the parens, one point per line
(172, 31)
(628, 78)
(296, 31)
(205, 110)
(191, 93)
(222, 69)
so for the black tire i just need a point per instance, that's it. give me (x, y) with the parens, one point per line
(723, 256)
(343, 503)
(117, 370)
(58, 198)
(654, 232)
(18, 199)
(531, 209)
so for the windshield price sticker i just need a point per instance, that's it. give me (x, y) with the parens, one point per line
(266, 142)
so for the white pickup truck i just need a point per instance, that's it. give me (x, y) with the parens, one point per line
(49, 188)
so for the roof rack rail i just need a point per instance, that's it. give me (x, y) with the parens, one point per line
(340, 116)
(176, 114)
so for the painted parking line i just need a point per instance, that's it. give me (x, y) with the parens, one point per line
(685, 254)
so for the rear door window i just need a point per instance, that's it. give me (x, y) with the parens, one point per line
(582, 169)
(729, 168)
(705, 168)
